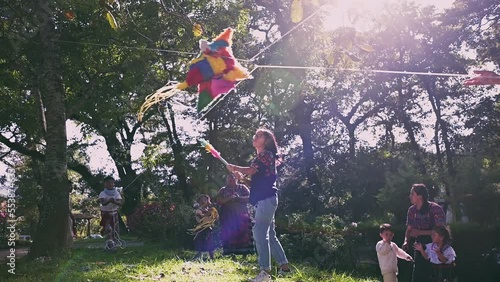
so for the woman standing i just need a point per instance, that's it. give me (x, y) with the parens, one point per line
(263, 195)
(423, 216)
(236, 226)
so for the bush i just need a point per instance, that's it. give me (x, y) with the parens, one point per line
(163, 221)
(325, 241)
(474, 245)
(152, 220)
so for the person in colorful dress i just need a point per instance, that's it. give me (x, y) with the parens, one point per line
(235, 221)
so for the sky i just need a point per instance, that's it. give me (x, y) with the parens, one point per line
(100, 158)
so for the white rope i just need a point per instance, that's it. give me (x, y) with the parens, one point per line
(288, 32)
(365, 70)
(110, 245)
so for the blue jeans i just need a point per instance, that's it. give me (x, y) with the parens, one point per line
(266, 242)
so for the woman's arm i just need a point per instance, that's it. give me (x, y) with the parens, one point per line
(243, 169)
(221, 200)
(243, 199)
(407, 237)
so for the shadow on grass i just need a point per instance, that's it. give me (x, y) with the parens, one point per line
(151, 262)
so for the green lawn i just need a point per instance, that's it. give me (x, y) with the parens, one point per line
(151, 262)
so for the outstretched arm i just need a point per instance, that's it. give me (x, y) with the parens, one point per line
(243, 169)
(400, 253)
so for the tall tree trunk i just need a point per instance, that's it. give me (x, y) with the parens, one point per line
(53, 225)
(442, 126)
(178, 151)
(302, 112)
(403, 117)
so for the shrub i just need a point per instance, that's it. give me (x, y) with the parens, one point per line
(152, 220)
(324, 241)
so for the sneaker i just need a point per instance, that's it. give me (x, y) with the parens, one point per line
(110, 246)
(262, 277)
(282, 272)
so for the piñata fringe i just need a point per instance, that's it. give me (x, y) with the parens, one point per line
(162, 94)
(206, 222)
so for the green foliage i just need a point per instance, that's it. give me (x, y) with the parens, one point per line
(397, 188)
(324, 241)
(319, 116)
(151, 262)
(164, 221)
(152, 220)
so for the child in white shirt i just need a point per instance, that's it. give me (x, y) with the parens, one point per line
(439, 253)
(110, 201)
(388, 253)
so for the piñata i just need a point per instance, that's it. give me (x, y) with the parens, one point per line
(215, 71)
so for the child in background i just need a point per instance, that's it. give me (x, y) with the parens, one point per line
(111, 201)
(440, 254)
(205, 216)
(388, 253)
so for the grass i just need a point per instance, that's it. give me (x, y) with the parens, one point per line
(152, 262)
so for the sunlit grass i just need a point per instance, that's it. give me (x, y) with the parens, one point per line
(152, 263)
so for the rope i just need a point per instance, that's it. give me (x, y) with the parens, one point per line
(365, 70)
(110, 245)
(288, 32)
(217, 101)
(129, 47)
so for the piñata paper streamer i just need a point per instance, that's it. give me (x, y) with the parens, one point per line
(210, 149)
(484, 78)
(206, 222)
(215, 71)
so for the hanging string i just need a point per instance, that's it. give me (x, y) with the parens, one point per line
(204, 113)
(211, 106)
(141, 48)
(288, 32)
(270, 66)
(129, 47)
(365, 70)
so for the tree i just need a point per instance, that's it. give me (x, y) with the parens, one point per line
(52, 230)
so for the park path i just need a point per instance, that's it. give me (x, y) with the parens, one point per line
(22, 251)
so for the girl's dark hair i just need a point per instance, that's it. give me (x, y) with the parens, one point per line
(421, 190)
(445, 233)
(270, 143)
(202, 197)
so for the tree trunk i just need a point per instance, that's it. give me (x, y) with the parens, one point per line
(52, 229)
(442, 126)
(302, 113)
(403, 117)
(178, 151)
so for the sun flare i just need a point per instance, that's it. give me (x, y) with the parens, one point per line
(360, 13)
